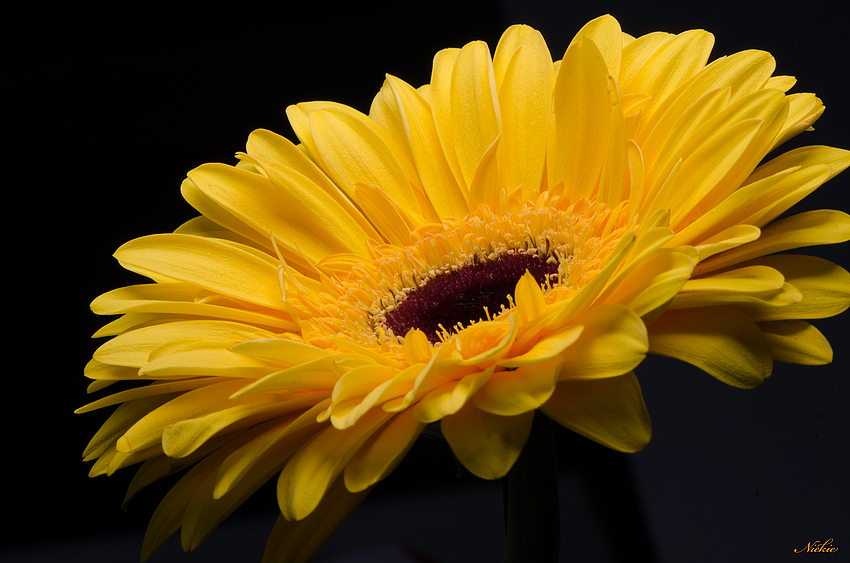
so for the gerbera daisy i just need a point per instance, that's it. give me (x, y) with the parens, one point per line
(514, 236)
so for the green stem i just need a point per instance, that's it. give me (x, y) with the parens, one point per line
(532, 522)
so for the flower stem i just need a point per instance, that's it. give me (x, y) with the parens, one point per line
(532, 523)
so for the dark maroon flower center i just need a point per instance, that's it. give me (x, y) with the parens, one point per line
(460, 296)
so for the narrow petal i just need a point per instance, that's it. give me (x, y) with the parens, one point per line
(294, 164)
(797, 342)
(474, 107)
(670, 65)
(299, 541)
(382, 452)
(314, 468)
(578, 144)
(636, 54)
(134, 348)
(352, 151)
(449, 398)
(822, 226)
(215, 265)
(525, 93)
(180, 299)
(825, 288)
(654, 282)
(446, 197)
(440, 94)
(610, 411)
(286, 204)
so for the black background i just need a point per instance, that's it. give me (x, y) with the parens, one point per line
(106, 111)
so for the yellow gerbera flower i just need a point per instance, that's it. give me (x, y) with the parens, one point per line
(516, 235)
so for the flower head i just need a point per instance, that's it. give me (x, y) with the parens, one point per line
(516, 235)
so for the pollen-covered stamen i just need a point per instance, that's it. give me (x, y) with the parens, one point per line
(466, 295)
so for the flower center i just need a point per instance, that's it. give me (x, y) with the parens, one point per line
(466, 295)
(455, 273)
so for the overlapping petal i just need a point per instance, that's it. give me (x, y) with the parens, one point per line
(516, 235)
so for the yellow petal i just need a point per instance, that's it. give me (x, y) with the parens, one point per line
(441, 107)
(205, 512)
(613, 185)
(198, 360)
(148, 430)
(797, 342)
(717, 218)
(446, 197)
(822, 226)
(701, 172)
(215, 265)
(486, 444)
(292, 163)
(514, 392)
(450, 397)
(124, 417)
(635, 55)
(179, 299)
(664, 146)
(474, 107)
(383, 452)
(605, 32)
(720, 341)
(313, 469)
(610, 411)
(836, 159)
(168, 516)
(299, 541)
(385, 214)
(732, 237)
(546, 348)
(530, 302)
(133, 349)
(740, 74)
(155, 389)
(654, 282)
(525, 93)
(612, 343)
(282, 436)
(352, 151)
(578, 145)
(485, 185)
(670, 65)
(186, 436)
(804, 109)
(825, 288)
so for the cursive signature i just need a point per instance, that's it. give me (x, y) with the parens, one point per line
(818, 546)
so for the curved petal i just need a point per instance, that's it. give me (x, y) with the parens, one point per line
(513, 392)
(486, 444)
(722, 342)
(825, 288)
(822, 226)
(382, 452)
(218, 266)
(610, 411)
(443, 192)
(797, 342)
(314, 468)
(298, 541)
(525, 93)
(578, 144)
(613, 342)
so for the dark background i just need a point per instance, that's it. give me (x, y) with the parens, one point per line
(106, 111)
